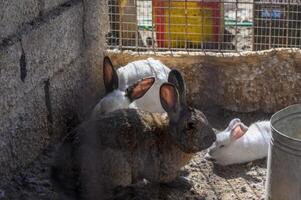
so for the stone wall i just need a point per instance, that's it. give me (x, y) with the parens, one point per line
(243, 82)
(50, 73)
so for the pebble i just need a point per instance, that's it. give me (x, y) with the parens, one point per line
(2, 194)
(192, 191)
(243, 189)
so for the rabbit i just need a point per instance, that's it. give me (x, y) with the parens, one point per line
(120, 100)
(128, 145)
(240, 144)
(116, 83)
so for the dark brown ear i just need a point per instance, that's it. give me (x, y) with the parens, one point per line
(169, 98)
(110, 76)
(139, 89)
(175, 77)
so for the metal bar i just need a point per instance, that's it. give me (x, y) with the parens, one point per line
(253, 26)
(287, 22)
(137, 28)
(270, 28)
(153, 26)
(202, 30)
(297, 26)
(236, 9)
(186, 34)
(173, 49)
(169, 24)
(120, 25)
(221, 10)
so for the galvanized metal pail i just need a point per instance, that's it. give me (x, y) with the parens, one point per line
(284, 158)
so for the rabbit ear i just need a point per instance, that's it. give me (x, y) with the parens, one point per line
(169, 98)
(176, 78)
(110, 76)
(238, 131)
(139, 89)
(232, 123)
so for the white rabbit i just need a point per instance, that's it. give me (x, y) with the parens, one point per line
(239, 143)
(117, 82)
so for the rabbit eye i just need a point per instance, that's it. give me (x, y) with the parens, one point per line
(222, 146)
(190, 126)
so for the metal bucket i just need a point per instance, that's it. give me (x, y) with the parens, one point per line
(284, 159)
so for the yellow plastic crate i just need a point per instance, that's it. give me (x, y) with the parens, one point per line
(174, 27)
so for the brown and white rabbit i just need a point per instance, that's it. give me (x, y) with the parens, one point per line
(128, 145)
(117, 81)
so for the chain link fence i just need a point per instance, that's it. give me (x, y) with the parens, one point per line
(204, 25)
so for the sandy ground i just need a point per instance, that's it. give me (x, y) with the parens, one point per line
(199, 180)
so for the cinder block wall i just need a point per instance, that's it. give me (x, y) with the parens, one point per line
(50, 73)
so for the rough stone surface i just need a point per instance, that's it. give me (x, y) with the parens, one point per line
(72, 97)
(266, 80)
(49, 4)
(13, 13)
(23, 132)
(54, 45)
(48, 85)
(95, 28)
(31, 124)
(46, 50)
(10, 76)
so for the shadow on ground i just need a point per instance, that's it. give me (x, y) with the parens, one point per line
(199, 180)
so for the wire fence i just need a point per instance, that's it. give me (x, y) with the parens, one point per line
(204, 25)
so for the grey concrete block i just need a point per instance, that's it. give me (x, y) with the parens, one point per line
(27, 127)
(30, 125)
(6, 162)
(23, 133)
(48, 85)
(10, 75)
(46, 51)
(54, 45)
(13, 13)
(49, 4)
(96, 26)
(69, 94)
(73, 95)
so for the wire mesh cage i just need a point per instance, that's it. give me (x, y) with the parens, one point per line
(203, 25)
(276, 24)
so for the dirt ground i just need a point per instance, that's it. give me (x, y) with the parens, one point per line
(199, 180)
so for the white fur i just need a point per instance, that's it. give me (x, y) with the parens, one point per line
(251, 146)
(129, 75)
(137, 70)
(114, 100)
